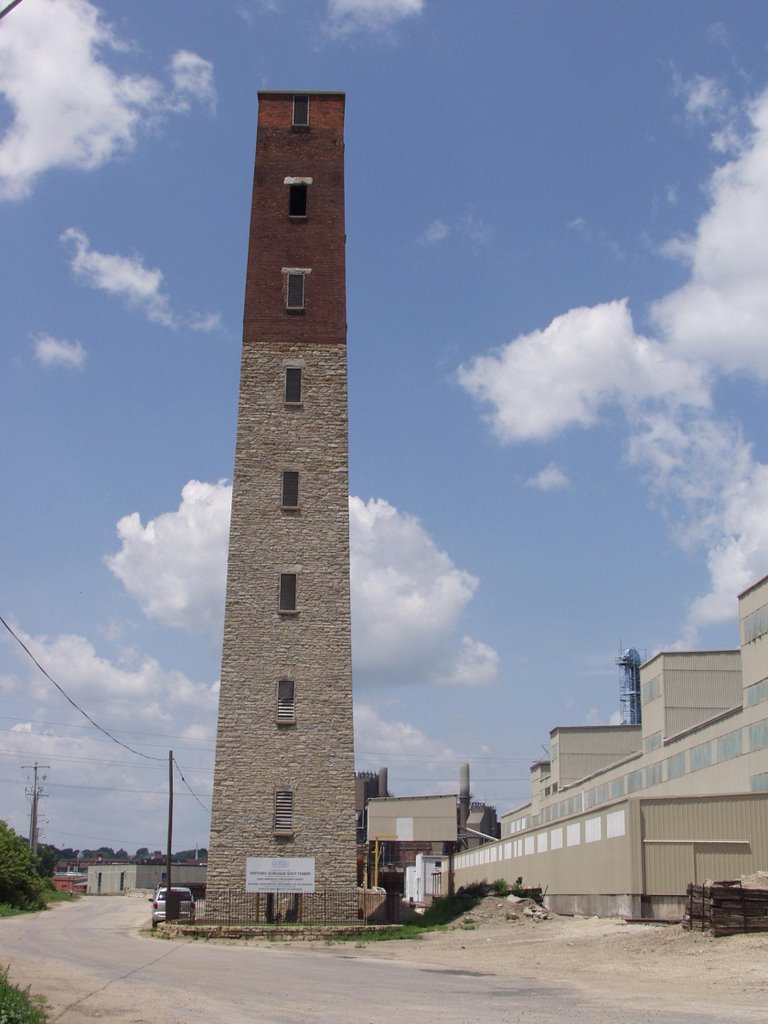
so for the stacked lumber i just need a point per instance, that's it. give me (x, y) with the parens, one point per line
(726, 908)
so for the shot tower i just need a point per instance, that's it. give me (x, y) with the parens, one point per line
(284, 784)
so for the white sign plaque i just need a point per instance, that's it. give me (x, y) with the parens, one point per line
(280, 874)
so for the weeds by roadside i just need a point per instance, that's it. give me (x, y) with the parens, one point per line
(17, 1006)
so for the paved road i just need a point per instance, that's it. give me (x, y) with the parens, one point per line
(92, 962)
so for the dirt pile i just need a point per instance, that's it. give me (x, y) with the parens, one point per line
(500, 909)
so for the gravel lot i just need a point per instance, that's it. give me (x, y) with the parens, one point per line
(660, 966)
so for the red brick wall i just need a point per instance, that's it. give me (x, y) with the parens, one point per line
(276, 241)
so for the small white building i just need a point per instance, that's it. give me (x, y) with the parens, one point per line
(423, 879)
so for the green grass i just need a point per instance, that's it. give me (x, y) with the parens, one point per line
(49, 896)
(439, 914)
(17, 1006)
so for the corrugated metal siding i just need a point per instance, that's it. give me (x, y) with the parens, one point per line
(677, 720)
(717, 862)
(668, 868)
(711, 688)
(710, 829)
(703, 661)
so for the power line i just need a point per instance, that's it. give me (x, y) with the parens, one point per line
(178, 769)
(71, 725)
(76, 706)
(9, 8)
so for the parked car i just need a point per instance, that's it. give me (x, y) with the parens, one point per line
(186, 904)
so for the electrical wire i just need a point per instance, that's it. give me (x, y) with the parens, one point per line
(63, 692)
(9, 8)
(192, 792)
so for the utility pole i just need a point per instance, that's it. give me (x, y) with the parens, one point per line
(34, 793)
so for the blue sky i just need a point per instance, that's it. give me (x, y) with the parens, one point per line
(557, 281)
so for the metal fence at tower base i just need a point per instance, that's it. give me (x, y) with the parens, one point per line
(322, 907)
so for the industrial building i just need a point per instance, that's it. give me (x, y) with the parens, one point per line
(622, 818)
(284, 783)
(116, 879)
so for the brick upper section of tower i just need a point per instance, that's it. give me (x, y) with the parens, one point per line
(313, 244)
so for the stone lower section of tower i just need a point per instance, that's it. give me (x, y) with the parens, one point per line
(308, 753)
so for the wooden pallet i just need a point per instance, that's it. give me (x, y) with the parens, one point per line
(726, 908)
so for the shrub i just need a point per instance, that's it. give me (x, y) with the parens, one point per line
(20, 885)
(17, 1006)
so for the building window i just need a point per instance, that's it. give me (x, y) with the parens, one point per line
(293, 385)
(652, 742)
(653, 776)
(290, 489)
(300, 112)
(287, 592)
(573, 834)
(294, 295)
(284, 811)
(701, 756)
(617, 788)
(651, 690)
(676, 766)
(593, 830)
(615, 825)
(757, 693)
(286, 701)
(635, 781)
(297, 201)
(729, 746)
(754, 625)
(759, 783)
(758, 735)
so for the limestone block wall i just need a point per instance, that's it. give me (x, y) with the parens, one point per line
(255, 755)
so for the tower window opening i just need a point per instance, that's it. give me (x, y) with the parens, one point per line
(295, 291)
(286, 701)
(300, 112)
(284, 811)
(297, 201)
(290, 495)
(293, 385)
(287, 592)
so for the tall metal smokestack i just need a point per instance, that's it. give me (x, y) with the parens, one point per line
(383, 778)
(463, 798)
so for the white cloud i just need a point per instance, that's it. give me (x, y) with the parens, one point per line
(380, 741)
(436, 232)
(476, 229)
(548, 381)
(720, 315)
(551, 478)
(205, 323)
(703, 97)
(193, 79)
(50, 351)
(698, 467)
(407, 595)
(469, 226)
(127, 278)
(97, 792)
(69, 108)
(176, 565)
(407, 601)
(347, 16)
(124, 276)
(138, 691)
